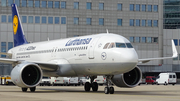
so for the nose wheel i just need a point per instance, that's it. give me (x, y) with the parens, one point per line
(109, 89)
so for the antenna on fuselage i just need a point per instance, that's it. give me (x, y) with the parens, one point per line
(48, 38)
(107, 31)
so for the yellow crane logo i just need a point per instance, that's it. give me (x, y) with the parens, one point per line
(15, 24)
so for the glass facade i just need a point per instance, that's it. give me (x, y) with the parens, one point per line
(76, 5)
(10, 18)
(3, 48)
(88, 5)
(56, 20)
(171, 15)
(119, 22)
(137, 7)
(37, 3)
(30, 19)
(131, 7)
(24, 3)
(43, 20)
(131, 22)
(76, 21)
(30, 3)
(50, 4)
(10, 2)
(101, 6)
(24, 19)
(119, 7)
(63, 4)
(56, 4)
(63, 20)
(37, 19)
(3, 18)
(101, 21)
(50, 20)
(88, 21)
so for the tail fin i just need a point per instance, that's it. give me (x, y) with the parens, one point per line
(18, 32)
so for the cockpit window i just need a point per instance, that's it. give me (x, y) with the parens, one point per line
(120, 45)
(129, 45)
(106, 45)
(111, 45)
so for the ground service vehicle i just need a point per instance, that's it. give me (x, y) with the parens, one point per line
(101, 80)
(45, 81)
(166, 78)
(150, 80)
(57, 81)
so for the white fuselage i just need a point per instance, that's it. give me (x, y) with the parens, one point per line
(86, 55)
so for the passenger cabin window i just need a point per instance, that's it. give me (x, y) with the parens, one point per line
(112, 45)
(129, 45)
(106, 45)
(120, 45)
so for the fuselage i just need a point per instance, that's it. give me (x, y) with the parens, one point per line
(100, 54)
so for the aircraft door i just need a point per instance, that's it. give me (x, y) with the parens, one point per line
(92, 47)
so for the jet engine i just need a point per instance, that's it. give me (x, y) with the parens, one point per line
(129, 79)
(26, 75)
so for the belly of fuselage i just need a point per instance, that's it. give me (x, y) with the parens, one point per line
(102, 68)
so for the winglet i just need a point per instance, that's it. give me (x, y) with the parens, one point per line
(175, 54)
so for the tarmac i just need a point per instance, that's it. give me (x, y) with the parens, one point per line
(77, 93)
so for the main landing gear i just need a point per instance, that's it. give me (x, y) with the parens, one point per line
(31, 89)
(109, 88)
(88, 85)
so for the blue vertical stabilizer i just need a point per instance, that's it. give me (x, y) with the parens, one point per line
(18, 32)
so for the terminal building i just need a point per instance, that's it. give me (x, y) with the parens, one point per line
(140, 21)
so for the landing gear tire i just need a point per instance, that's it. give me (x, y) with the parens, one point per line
(24, 89)
(111, 90)
(106, 90)
(33, 89)
(94, 86)
(87, 86)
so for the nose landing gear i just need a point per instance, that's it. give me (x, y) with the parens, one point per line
(109, 88)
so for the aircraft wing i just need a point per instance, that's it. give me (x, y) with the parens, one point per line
(48, 66)
(175, 54)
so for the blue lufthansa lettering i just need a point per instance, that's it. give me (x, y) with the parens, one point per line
(78, 42)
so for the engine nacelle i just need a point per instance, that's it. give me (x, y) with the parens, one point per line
(26, 75)
(129, 79)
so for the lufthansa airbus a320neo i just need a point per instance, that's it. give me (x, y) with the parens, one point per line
(106, 54)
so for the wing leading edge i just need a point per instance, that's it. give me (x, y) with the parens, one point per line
(175, 54)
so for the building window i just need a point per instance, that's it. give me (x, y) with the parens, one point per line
(43, 4)
(43, 20)
(24, 19)
(3, 3)
(10, 45)
(149, 8)
(101, 21)
(137, 7)
(176, 42)
(88, 5)
(155, 23)
(150, 23)
(143, 23)
(76, 5)
(30, 3)
(76, 21)
(10, 18)
(155, 39)
(56, 4)
(10, 2)
(3, 48)
(88, 21)
(119, 7)
(37, 19)
(17, 2)
(101, 6)
(143, 8)
(56, 20)
(149, 40)
(63, 4)
(143, 39)
(30, 19)
(50, 20)
(50, 4)
(24, 3)
(3, 18)
(37, 3)
(175, 58)
(63, 20)
(119, 22)
(137, 22)
(131, 39)
(155, 8)
(137, 39)
(131, 7)
(131, 22)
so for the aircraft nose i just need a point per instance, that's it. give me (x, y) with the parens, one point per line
(130, 56)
